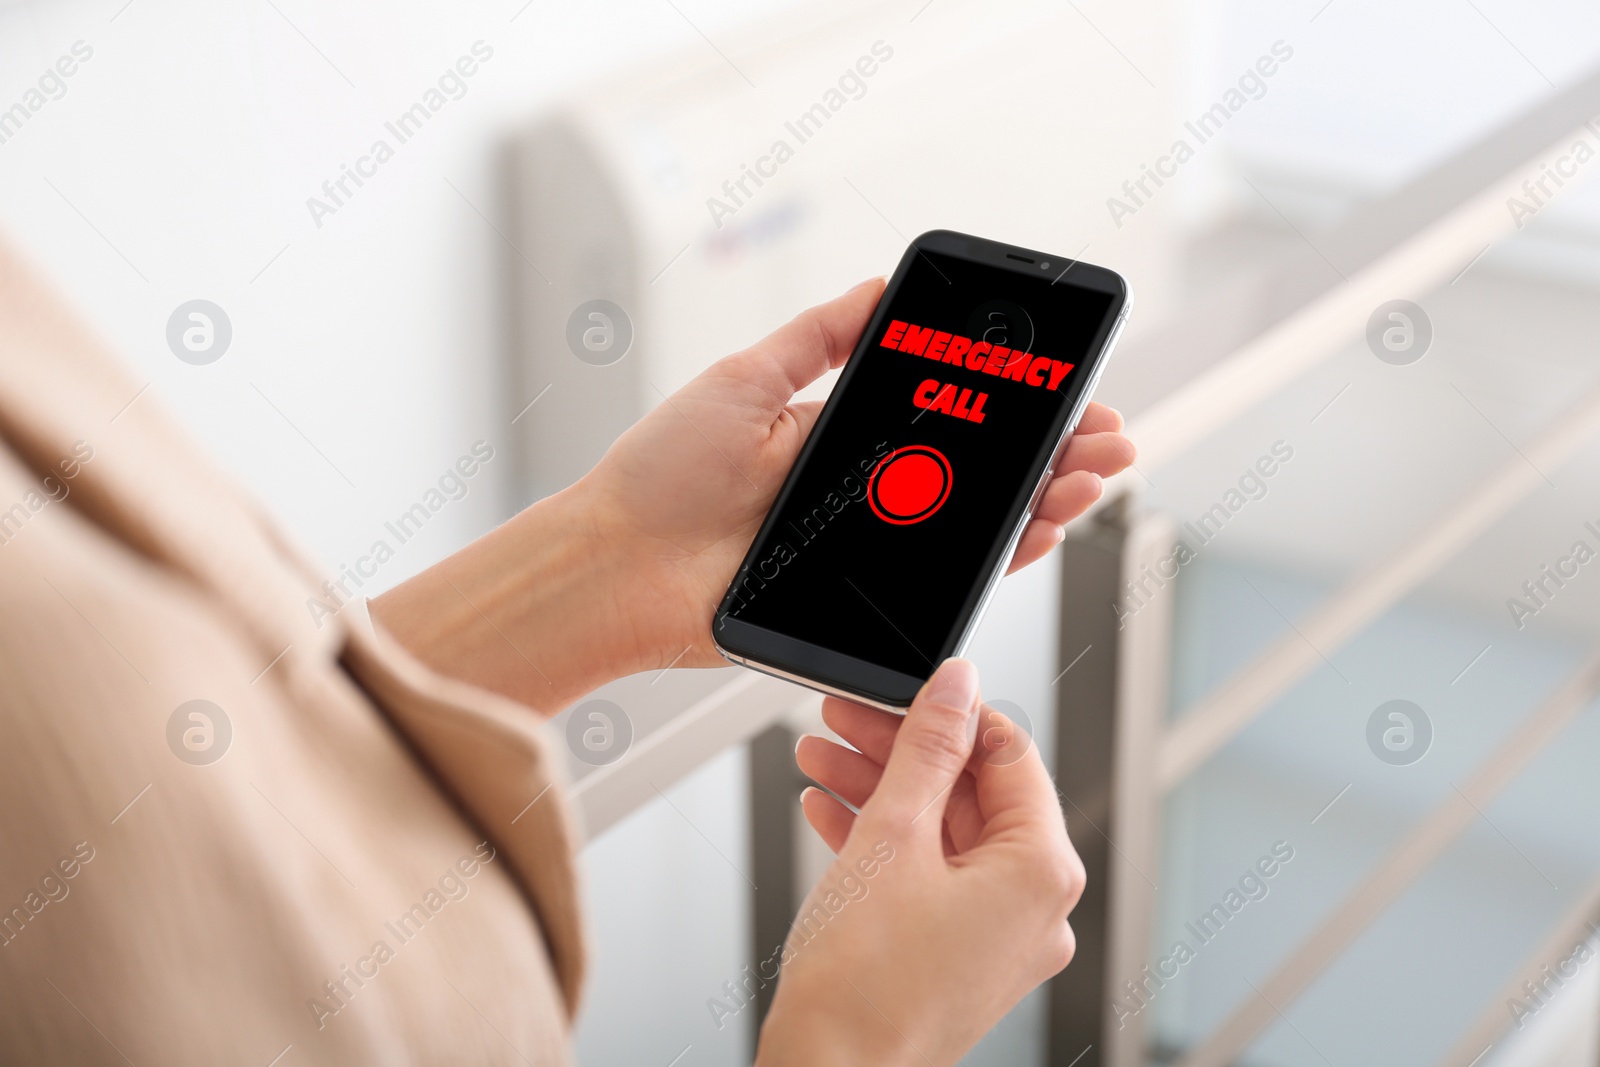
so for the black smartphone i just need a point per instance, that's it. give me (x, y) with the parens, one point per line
(897, 521)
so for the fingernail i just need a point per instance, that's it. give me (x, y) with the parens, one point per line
(954, 684)
(806, 790)
(869, 281)
(798, 741)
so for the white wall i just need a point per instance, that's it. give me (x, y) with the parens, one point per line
(191, 141)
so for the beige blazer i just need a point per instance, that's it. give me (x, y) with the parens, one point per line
(377, 869)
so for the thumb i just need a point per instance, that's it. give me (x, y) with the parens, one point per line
(931, 749)
(809, 345)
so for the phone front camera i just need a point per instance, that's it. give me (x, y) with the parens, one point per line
(1045, 265)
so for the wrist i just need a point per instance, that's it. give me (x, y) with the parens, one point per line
(531, 610)
(803, 1030)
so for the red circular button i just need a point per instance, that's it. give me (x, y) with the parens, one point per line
(909, 484)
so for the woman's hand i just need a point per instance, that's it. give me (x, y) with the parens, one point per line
(949, 898)
(622, 571)
(684, 491)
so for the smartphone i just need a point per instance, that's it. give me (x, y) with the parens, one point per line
(899, 517)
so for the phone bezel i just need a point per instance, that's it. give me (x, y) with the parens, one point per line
(839, 674)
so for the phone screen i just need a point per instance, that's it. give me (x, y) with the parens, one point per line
(884, 537)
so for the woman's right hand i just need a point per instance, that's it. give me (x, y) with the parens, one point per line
(948, 900)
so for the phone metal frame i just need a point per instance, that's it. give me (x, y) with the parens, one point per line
(991, 253)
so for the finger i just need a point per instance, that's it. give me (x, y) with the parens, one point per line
(930, 751)
(1060, 949)
(1069, 496)
(830, 819)
(802, 350)
(837, 769)
(1098, 418)
(999, 742)
(1015, 795)
(963, 818)
(1035, 544)
(805, 416)
(871, 731)
(1103, 453)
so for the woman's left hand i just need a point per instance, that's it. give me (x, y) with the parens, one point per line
(684, 491)
(622, 571)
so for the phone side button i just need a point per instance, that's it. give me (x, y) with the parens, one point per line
(1038, 493)
(1094, 382)
(1072, 427)
(1061, 449)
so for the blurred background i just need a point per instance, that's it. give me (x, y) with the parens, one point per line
(1371, 267)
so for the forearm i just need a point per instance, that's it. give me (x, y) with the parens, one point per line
(528, 610)
(841, 1033)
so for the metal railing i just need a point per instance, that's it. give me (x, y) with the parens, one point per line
(1309, 307)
